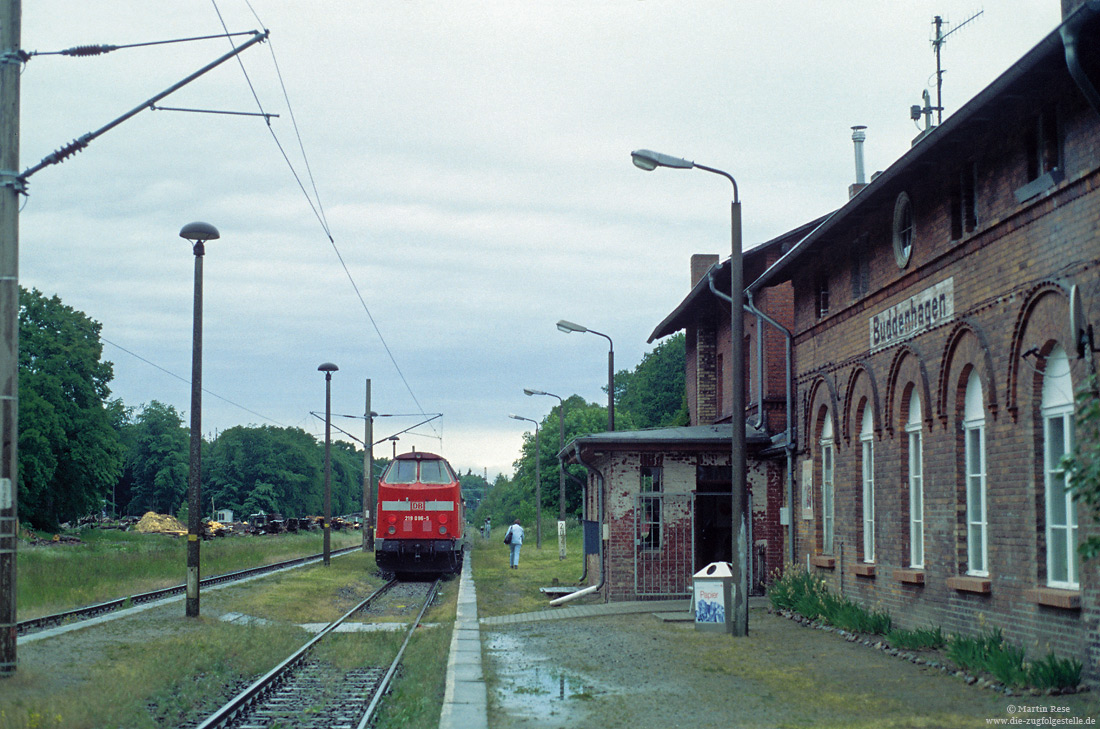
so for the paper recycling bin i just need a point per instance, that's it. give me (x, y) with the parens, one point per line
(712, 598)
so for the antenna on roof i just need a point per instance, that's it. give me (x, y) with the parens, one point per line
(937, 46)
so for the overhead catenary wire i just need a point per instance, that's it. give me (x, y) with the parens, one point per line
(181, 378)
(315, 201)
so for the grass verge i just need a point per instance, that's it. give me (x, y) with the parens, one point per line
(504, 591)
(113, 564)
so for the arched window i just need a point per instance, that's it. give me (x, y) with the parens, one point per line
(828, 519)
(867, 448)
(1061, 516)
(916, 482)
(977, 526)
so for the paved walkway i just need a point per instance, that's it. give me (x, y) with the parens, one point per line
(465, 698)
(464, 702)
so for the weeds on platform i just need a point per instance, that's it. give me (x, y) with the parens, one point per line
(917, 640)
(796, 590)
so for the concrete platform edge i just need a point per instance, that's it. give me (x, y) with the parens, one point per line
(465, 704)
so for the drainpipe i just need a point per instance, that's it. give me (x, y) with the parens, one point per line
(584, 507)
(759, 424)
(1072, 32)
(788, 337)
(599, 521)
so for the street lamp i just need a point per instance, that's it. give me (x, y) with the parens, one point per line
(538, 482)
(328, 368)
(198, 234)
(561, 467)
(648, 160)
(569, 327)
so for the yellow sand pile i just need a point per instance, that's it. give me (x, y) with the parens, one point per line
(153, 523)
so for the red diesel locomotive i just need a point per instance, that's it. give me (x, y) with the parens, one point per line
(420, 516)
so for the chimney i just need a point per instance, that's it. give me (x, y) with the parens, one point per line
(858, 135)
(700, 264)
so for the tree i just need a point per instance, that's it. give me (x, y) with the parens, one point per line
(156, 460)
(653, 395)
(1083, 464)
(250, 469)
(70, 455)
(473, 489)
(581, 418)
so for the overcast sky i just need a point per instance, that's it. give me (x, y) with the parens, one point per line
(472, 163)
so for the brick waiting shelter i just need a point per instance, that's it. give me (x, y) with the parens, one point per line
(662, 496)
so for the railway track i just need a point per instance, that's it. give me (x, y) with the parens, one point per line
(305, 693)
(26, 627)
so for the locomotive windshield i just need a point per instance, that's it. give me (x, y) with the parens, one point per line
(431, 472)
(401, 471)
(435, 472)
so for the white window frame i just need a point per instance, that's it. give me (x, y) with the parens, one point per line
(867, 446)
(977, 525)
(1058, 440)
(828, 471)
(916, 482)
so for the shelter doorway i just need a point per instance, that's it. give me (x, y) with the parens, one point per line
(713, 515)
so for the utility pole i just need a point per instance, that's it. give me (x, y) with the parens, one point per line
(11, 13)
(368, 477)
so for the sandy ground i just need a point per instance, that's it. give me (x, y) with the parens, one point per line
(639, 672)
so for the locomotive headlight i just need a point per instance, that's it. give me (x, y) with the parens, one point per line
(442, 529)
(392, 530)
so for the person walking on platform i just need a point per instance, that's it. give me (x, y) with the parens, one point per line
(514, 539)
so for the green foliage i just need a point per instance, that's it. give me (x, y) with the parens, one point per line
(1054, 672)
(280, 470)
(1083, 464)
(69, 451)
(797, 590)
(653, 395)
(916, 640)
(474, 488)
(989, 652)
(156, 460)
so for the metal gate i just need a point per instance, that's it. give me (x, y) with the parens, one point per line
(663, 545)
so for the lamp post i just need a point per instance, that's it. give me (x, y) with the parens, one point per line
(538, 482)
(649, 161)
(561, 467)
(198, 234)
(328, 368)
(569, 327)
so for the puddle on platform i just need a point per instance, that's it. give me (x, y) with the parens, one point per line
(531, 686)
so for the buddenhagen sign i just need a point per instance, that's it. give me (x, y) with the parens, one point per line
(919, 313)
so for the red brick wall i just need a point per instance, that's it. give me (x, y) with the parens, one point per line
(1011, 279)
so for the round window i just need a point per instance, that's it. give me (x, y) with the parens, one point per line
(903, 230)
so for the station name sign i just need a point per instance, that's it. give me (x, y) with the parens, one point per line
(931, 307)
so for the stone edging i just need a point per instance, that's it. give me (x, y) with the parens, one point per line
(915, 658)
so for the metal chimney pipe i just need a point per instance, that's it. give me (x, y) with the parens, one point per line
(858, 136)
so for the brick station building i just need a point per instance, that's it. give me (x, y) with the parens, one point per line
(935, 368)
(934, 372)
